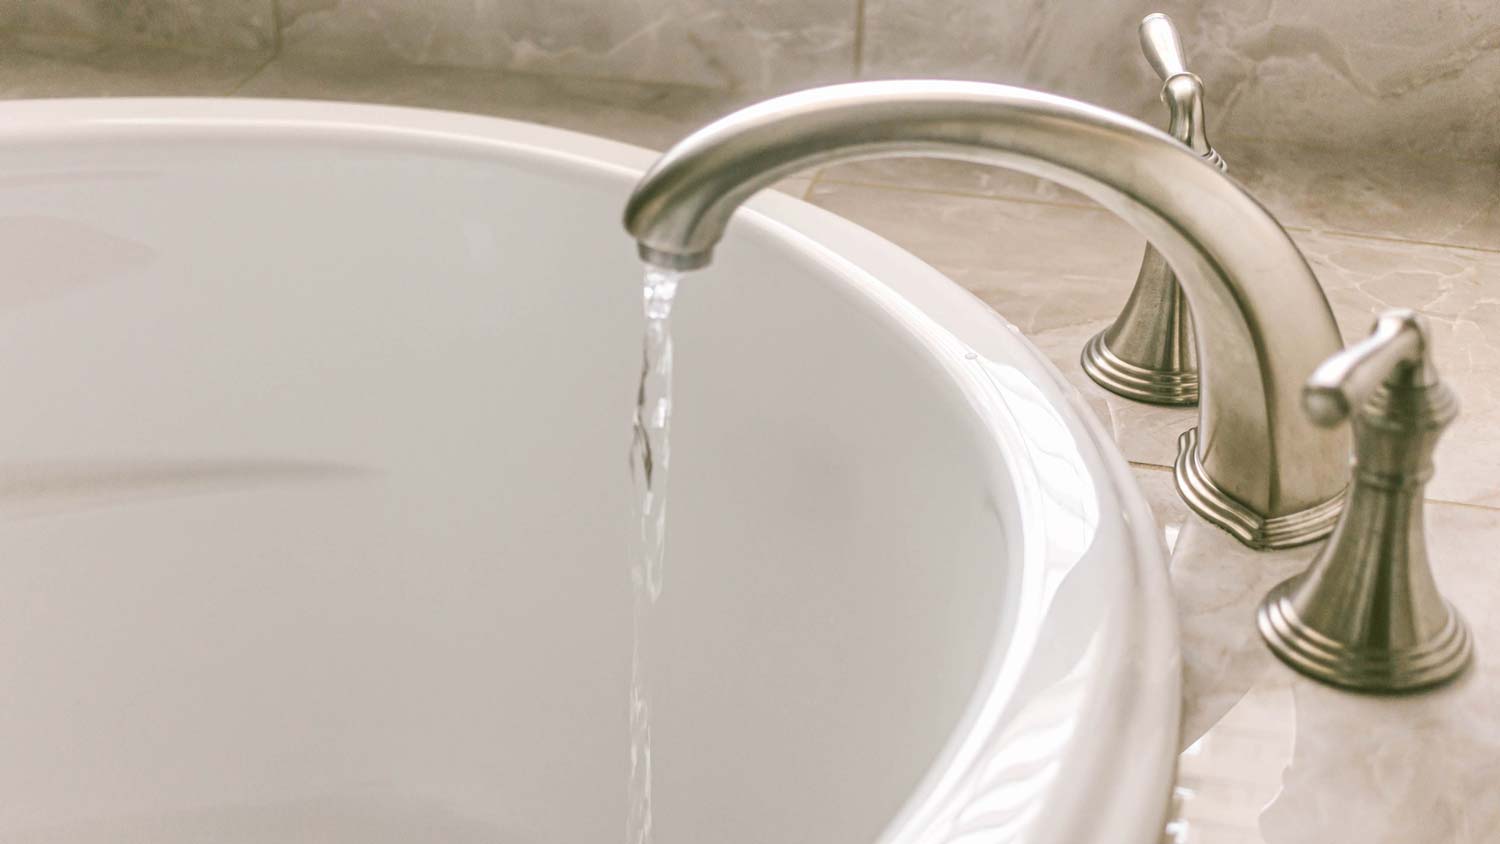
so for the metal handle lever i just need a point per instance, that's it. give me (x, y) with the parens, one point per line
(1181, 89)
(1162, 46)
(1395, 353)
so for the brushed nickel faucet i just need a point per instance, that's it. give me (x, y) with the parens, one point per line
(1148, 352)
(1366, 615)
(1254, 465)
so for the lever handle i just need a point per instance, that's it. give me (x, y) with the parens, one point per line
(1181, 89)
(1367, 614)
(1395, 354)
(1162, 46)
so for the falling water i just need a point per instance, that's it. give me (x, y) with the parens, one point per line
(650, 459)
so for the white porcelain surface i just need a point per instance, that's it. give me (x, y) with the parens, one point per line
(315, 512)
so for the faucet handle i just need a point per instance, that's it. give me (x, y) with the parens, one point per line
(1162, 46)
(1181, 89)
(1149, 353)
(1395, 356)
(1367, 614)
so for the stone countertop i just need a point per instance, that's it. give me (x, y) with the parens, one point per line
(1267, 755)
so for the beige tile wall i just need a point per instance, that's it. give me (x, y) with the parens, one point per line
(1392, 75)
(199, 26)
(747, 44)
(1388, 75)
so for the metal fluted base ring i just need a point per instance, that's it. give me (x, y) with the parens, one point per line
(1154, 386)
(1429, 664)
(1217, 506)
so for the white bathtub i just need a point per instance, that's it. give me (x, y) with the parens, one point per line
(314, 510)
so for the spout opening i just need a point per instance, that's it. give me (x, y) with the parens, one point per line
(674, 260)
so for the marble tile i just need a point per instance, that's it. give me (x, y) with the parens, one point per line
(796, 186)
(1430, 199)
(949, 176)
(1459, 292)
(1044, 267)
(1060, 273)
(72, 68)
(1395, 76)
(1433, 199)
(650, 115)
(201, 27)
(1226, 777)
(766, 45)
(1161, 496)
(1270, 756)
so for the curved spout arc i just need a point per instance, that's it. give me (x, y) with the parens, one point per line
(1263, 322)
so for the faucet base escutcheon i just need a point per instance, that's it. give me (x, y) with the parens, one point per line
(1151, 385)
(1421, 666)
(1217, 507)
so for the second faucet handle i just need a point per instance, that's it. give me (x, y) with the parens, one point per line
(1162, 46)
(1367, 614)
(1181, 89)
(1149, 352)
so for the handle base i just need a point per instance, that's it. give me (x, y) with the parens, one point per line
(1171, 387)
(1358, 666)
(1207, 499)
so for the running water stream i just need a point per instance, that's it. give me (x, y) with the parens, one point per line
(650, 459)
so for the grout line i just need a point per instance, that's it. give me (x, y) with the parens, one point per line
(240, 85)
(1052, 203)
(817, 178)
(965, 194)
(1283, 145)
(1392, 239)
(723, 100)
(275, 51)
(276, 27)
(859, 38)
(1468, 505)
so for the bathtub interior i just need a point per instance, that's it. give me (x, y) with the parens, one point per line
(315, 513)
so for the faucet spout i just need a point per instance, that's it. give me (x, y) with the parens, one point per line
(1255, 465)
